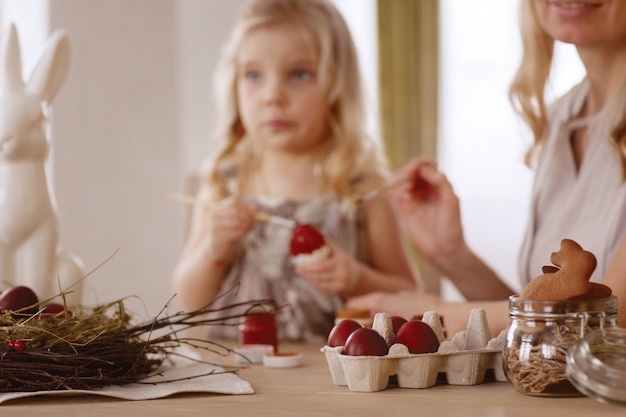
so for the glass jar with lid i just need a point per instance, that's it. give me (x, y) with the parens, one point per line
(539, 336)
(596, 365)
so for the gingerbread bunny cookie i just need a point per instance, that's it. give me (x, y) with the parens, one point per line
(568, 278)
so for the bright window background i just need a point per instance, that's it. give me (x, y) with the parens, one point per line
(31, 20)
(482, 141)
(361, 18)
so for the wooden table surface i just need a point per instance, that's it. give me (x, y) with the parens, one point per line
(309, 391)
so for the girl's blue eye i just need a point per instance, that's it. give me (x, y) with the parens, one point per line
(302, 75)
(252, 75)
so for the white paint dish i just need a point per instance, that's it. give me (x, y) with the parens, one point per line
(246, 354)
(282, 360)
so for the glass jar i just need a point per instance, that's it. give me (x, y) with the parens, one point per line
(259, 328)
(597, 365)
(539, 336)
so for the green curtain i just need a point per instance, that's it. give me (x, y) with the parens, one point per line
(408, 45)
(408, 48)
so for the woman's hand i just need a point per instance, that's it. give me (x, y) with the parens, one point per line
(455, 315)
(430, 210)
(337, 274)
(405, 304)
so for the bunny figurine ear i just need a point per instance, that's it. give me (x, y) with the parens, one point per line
(51, 68)
(11, 61)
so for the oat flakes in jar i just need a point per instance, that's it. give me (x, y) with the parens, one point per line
(539, 336)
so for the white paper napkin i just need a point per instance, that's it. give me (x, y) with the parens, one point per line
(149, 389)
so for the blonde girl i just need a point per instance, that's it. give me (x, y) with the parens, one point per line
(291, 117)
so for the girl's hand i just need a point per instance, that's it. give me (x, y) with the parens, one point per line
(430, 210)
(224, 224)
(337, 274)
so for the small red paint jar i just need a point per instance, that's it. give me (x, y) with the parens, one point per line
(259, 328)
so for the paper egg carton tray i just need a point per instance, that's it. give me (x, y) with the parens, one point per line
(465, 359)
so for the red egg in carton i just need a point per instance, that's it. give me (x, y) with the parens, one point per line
(416, 353)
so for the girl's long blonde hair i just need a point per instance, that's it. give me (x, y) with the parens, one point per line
(527, 90)
(349, 152)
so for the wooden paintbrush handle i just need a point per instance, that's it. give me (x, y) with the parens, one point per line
(264, 217)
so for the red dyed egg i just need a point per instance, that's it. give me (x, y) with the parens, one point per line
(418, 337)
(306, 239)
(17, 298)
(397, 322)
(52, 308)
(365, 342)
(342, 330)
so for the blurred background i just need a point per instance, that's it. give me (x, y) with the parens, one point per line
(133, 120)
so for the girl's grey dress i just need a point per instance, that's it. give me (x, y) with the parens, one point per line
(262, 268)
(587, 204)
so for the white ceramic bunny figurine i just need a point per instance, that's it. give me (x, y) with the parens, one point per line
(29, 249)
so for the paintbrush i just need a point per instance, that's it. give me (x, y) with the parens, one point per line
(381, 188)
(259, 215)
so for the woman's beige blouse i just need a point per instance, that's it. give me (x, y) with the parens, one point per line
(587, 205)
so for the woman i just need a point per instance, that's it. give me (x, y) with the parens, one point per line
(579, 156)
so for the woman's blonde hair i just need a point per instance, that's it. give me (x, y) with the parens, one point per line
(527, 90)
(349, 150)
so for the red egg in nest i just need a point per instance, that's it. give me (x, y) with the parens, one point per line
(17, 298)
(53, 308)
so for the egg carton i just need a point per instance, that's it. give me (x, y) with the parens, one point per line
(465, 359)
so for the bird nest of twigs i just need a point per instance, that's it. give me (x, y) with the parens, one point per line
(88, 348)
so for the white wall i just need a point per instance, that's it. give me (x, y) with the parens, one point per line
(116, 141)
(132, 122)
(204, 26)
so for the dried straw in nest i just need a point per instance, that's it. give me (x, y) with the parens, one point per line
(82, 348)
